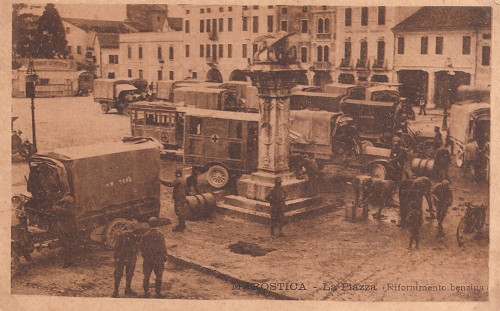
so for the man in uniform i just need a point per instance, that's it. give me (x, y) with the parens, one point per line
(126, 250)
(414, 221)
(471, 157)
(362, 189)
(179, 196)
(310, 169)
(398, 158)
(442, 163)
(154, 253)
(438, 138)
(442, 197)
(381, 195)
(192, 183)
(421, 187)
(277, 198)
(67, 230)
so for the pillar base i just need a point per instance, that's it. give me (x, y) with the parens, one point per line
(257, 185)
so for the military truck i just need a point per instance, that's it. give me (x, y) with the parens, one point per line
(115, 94)
(111, 184)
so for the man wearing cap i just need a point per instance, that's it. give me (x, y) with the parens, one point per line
(442, 163)
(442, 197)
(398, 158)
(421, 187)
(277, 198)
(64, 211)
(438, 138)
(126, 250)
(179, 196)
(154, 253)
(192, 182)
(381, 195)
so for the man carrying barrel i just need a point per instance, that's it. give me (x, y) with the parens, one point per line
(179, 196)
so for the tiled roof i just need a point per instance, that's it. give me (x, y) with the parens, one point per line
(108, 40)
(175, 23)
(447, 17)
(100, 26)
(138, 26)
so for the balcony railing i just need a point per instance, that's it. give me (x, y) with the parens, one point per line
(320, 36)
(362, 64)
(379, 64)
(322, 65)
(345, 64)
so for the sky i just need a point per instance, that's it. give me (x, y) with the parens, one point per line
(113, 12)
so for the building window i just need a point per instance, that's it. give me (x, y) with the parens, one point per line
(208, 50)
(439, 45)
(140, 52)
(129, 73)
(187, 50)
(320, 53)
(229, 8)
(187, 11)
(221, 51)
(380, 50)
(160, 75)
(348, 15)
(245, 7)
(270, 6)
(364, 16)
(424, 42)
(270, 21)
(208, 25)
(111, 75)
(141, 74)
(159, 53)
(255, 47)
(69, 49)
(327, 25)
(195, 75)
(284, 10)
(229, 51)
(304, 9)
(347, 50)
(363, 52)
(202, 50)
(284, 25)
(245, 23)
(401, 45)
(381, 15)
(466, 45)
(486, 51)
(202, 25)
(244, 51)
(79, 49)
(129, 52)
(202, 11)
(221, 9)
(303, 54)
(214, 25)
(171, 75)
(255, 25)
(486, 35)
(304, 26)
(320, 25)
(255, 7)
(113, 59)
(326, 53)
(67, 29)
(209, 10)
(221, 24)
(187, 26)
(157, 18)
(229, 24)
(170, 52)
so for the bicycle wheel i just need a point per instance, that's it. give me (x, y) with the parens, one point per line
(464, 232)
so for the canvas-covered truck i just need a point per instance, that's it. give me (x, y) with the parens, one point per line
(114, 94)
(111, 184)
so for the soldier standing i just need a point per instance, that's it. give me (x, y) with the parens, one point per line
(442, 163)
(438, 138)
(154, 253)
(65, 215)
(277, 198)
(192, 183)
(126, 250)
(442, 197)
(311, 170)
(179, 196)
(421, 187)
(414, 221)
(398, 159)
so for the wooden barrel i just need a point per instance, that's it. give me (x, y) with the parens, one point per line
(199, 205)
(422, 167)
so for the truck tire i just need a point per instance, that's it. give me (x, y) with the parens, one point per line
(217, 176)
(104, 108)
(378, 170)
(114, 229)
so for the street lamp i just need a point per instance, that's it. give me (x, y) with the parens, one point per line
(31, 78)
(449, 85)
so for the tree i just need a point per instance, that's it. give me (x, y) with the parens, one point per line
(51, 37)
(24, 30)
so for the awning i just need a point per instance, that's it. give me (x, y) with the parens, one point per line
(124, 87)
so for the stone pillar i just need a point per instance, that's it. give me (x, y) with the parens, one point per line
(274, 83)
(431, 86)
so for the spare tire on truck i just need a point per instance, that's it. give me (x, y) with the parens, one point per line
(217, 176)
(114, 229)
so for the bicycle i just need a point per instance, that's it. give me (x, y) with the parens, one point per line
(472, 222)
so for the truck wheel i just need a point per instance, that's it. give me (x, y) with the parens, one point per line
(217, 176)
(378, 171)
(114, 229)
(104, 108)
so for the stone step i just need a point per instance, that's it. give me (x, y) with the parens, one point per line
(264, 207)
(264, 218)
